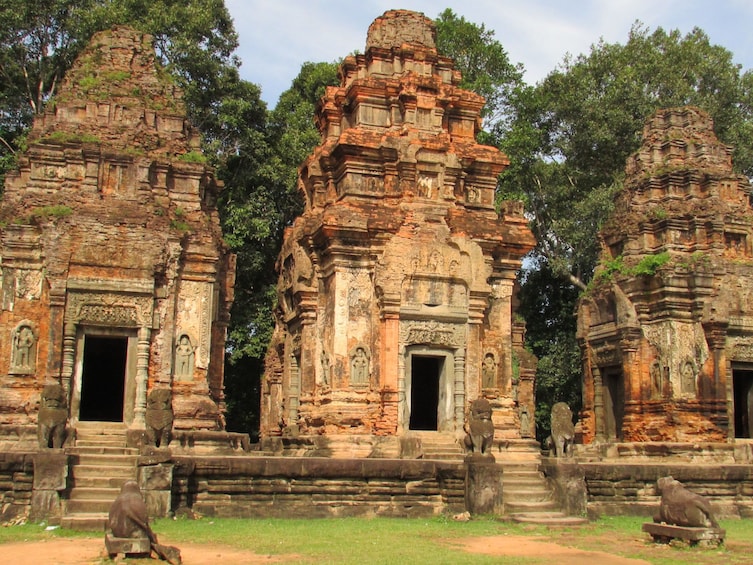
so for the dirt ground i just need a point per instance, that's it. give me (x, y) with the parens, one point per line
(91, 551)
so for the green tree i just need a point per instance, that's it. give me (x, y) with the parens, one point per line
(260, 200)
(484, 65)
(39, 39)
(573, 131)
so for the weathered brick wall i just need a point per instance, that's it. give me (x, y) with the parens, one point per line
(16, 479)
(314, 487)
(626, 488)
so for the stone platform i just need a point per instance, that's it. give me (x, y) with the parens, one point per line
(127, 547)
(664, 533)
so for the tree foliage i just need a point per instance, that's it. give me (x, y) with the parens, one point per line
(39, 40)
(260, 200)
(573, 131)
(483, 63)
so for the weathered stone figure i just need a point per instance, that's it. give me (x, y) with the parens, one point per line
(563, 430)
(53, 415)
(159, 417)
(184, 358)
(489, 371)
(359, 367)
(480, 428)
(24, 350)
(128, 519)
(681, 507)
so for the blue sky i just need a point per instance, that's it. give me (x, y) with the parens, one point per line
(277, 36)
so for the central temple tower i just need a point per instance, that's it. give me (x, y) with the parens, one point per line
(396, 283)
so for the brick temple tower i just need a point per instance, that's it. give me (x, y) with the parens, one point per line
(115, 278)
(667, 329)
(396, 283)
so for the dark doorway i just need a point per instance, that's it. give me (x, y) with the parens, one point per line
(103, 378)
(424, 394)
(742, 383)
(614, 403)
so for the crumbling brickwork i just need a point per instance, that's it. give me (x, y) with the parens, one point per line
(115, 278)
(396, 283)
(666, 329)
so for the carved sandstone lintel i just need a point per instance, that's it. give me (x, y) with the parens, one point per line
(432, 333)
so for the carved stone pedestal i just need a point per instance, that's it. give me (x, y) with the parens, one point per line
(664, 533)
(483, 485)
(50, 479)
(127, 547)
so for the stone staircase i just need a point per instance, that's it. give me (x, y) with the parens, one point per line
(527, 495)
(439, 446)
(100, 464)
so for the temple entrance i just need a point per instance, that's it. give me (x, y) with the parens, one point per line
(424, 399)
(429, 392)
(103, 391)
(614, 403)
(742, 384)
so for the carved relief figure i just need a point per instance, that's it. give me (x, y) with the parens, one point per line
(681, 507)
(657, 384)
(687, 377)
(359, 366)
(489, 371)
(53, 415)
(159, 417)
(525, 423)
(23, 358)
(325, 368)
(184, 358)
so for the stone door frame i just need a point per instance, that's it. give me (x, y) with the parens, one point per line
(129, 378)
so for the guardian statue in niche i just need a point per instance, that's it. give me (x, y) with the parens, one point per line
(687, 377)
(489, 371)
(359, 366)
(184, 358)
(24, 353)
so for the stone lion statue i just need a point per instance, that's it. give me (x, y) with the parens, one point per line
(480, 429)
(563, 430)
(53, 415)
(159, 417)
(681, 507)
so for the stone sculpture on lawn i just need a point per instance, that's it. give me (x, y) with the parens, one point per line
(130, 532)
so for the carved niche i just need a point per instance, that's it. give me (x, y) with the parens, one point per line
(185, 349)
(360, 360)
(23, 360)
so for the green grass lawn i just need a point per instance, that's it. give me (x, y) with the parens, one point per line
(432, 540)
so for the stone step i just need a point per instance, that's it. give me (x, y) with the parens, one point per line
(102, 449)
(89, 506)
(534, 493)
(525, 506)
(114, 472)
(103, 481)
(553, 519)
(94, 493)
(104, 460)
(91, 521)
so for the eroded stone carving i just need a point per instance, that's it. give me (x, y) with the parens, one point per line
(24, 350)
(681, 507)
(53, 416)
(159, 417)
(563, 430)
(184, 358)
(489, 371)
(359, 366)
(129, 519)
(480, 429)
